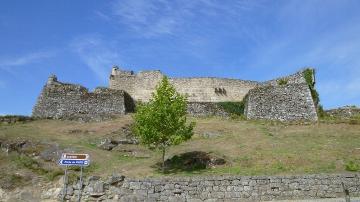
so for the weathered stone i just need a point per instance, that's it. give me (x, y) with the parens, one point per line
(106, 144)
(290, 102)
(96, 189)
(115, 180)
(67, 101)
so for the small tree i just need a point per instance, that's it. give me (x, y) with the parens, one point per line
(161, 122)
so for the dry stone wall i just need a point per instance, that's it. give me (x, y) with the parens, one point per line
(67, 101)
(218, 188)
(344, 112)
(291, 102)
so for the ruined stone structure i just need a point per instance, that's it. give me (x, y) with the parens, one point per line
(68, 101)
(285, 99)
(345, 112)
(218, 188)
(206, 89)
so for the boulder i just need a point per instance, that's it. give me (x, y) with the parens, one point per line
(106, 144)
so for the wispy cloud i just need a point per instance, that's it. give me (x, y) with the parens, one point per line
(151, 18)
(7, 63)
(97, 54)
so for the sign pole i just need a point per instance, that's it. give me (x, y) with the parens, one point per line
(80, 186)
(65, 183)
(70, 159)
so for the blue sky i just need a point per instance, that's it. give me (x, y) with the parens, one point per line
(81, 40)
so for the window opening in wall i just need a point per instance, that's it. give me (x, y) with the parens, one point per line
(220, 91)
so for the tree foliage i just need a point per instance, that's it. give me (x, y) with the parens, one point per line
(161, 122)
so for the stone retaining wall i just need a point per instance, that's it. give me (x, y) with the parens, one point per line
(229, 188)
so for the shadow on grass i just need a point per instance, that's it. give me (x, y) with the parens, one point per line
(190, 162)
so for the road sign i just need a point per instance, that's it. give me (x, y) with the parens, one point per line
(71, 162)
(69, 159)
(75, 156)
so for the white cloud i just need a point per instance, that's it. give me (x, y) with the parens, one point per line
(10, 62)
(97, 54)
(150, 18)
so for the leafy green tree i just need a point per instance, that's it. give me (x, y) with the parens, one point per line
(161, 122)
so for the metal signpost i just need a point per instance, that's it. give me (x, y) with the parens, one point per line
(68, 159)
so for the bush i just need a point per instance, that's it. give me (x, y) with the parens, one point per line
(321, 112)
(352, 166)
(282, 81)
(236, 108)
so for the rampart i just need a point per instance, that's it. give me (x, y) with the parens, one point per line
(219, 188)
(287, 98)
(291, 102)
(201, 89)
(68, 101)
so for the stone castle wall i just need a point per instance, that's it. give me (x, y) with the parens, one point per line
(202, 109)
(286, 99)
(291, 102)
(207, 89)
(67, 101)
(213, 89)
(219, 188)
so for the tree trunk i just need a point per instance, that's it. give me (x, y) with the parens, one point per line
(163, 160)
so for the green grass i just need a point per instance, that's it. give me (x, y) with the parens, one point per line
(249, 147)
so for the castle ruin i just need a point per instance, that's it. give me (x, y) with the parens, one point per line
(286, 99)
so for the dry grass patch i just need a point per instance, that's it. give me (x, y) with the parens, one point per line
(249, 147)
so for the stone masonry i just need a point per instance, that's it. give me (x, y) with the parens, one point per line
(286, 99)
(218, 188)
(291, 102)
(202, 89)
(68, 101)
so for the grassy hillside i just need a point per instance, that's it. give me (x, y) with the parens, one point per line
(249, 147)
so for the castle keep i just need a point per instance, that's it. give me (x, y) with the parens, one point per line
(287, 99)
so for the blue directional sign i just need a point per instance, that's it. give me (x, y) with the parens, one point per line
(71, 162)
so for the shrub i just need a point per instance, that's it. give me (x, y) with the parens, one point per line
(236, 108)
(352, 166)
(321, 112)
(282, 81)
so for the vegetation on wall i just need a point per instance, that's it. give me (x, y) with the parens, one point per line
(309, 75)
(236, 108)
(282, 81)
